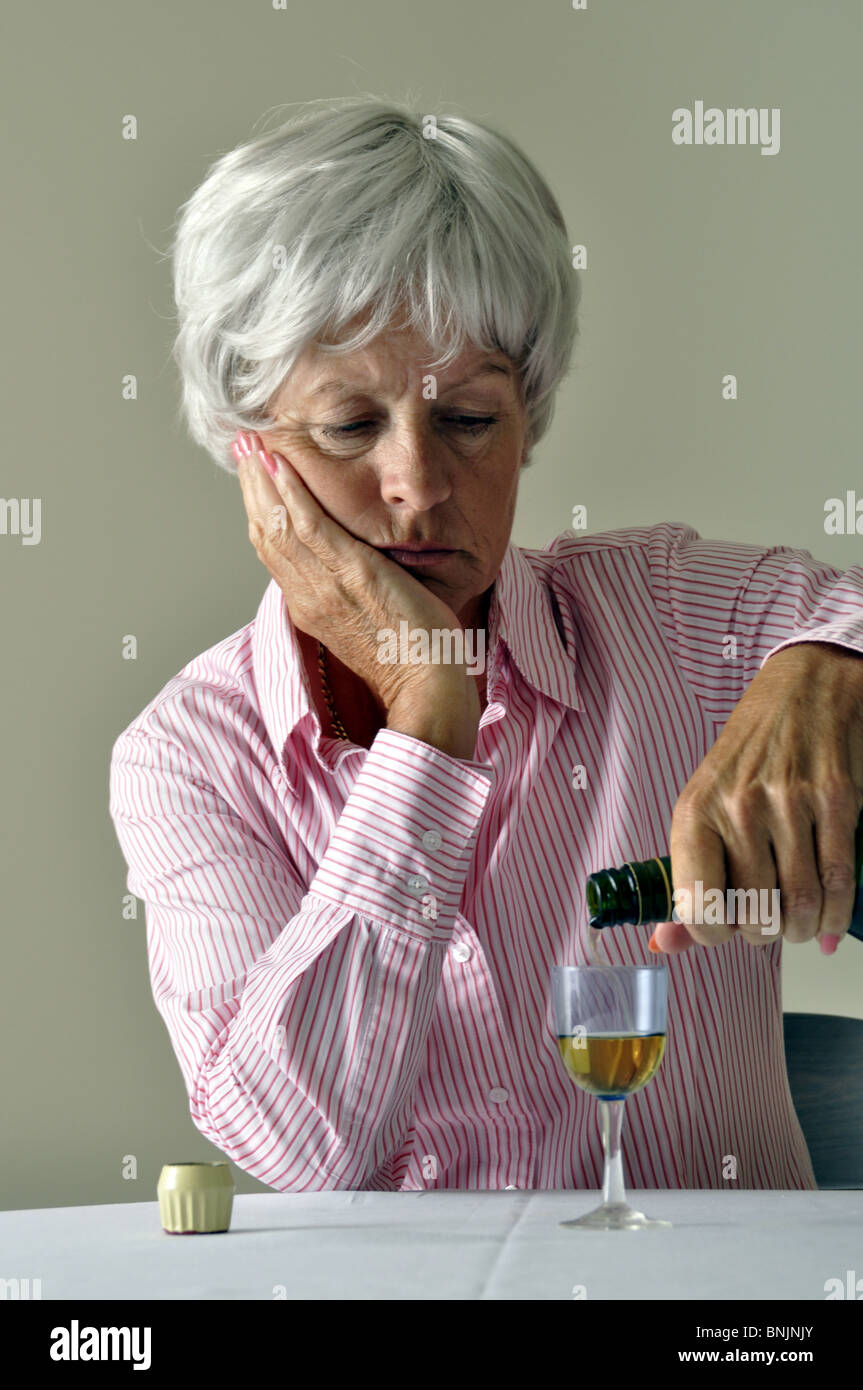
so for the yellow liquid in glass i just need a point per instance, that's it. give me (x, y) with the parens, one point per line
(613, 1065)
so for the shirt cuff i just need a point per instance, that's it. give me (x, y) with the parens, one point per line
(405, 839)
(849, 635)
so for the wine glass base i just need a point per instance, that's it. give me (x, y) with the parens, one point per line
(616, 1216)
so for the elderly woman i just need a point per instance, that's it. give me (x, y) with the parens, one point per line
(359, 861)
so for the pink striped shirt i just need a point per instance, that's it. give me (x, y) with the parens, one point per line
(332, 1031)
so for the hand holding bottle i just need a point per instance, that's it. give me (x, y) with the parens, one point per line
(774, 806)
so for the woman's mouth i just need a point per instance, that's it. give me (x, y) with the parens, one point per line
(419, 558)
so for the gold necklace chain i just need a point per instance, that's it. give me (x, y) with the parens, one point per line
(339, 727)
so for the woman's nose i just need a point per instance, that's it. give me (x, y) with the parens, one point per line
(413, 471)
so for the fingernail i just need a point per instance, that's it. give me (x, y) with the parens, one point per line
(268, 461)
(237, 451)
(828, 944)
(244, 444)
(653, 944)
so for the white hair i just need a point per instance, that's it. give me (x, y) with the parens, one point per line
(351, 209)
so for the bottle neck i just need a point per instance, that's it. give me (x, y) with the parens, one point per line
(635, 894)
(642, 892)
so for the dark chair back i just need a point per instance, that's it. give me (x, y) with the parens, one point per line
(824, 1056)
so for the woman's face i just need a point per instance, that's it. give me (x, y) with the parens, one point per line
(393, 467)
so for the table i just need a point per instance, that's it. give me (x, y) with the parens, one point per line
(445, 1245)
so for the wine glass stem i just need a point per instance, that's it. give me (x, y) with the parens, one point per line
(612, 1180)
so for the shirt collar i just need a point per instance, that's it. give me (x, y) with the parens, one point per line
(531, 619)
(526, 618)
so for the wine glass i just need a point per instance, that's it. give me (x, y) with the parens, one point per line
(610, 1024)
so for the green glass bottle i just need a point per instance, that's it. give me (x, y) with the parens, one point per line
(637, 894)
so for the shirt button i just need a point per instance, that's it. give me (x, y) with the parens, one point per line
(417, 885)
(461, 952)
(431, 839)
(498, 1094)
(510, 1187)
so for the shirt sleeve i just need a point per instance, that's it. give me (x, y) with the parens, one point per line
(726, 608)
(299, 1016)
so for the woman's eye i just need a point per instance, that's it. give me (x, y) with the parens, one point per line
(472, 423)
(475, 422)
(344, 429)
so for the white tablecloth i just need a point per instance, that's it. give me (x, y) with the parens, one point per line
(444, 1245)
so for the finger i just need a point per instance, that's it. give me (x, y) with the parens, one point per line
(671, 938)
(251, 470)
(698, 868)
(800, 893)
(270, 526)
(281, 508)
(752, 903)
(336, 547)
(302, 547)
(269, 530)
(835, 852)
(250, 477)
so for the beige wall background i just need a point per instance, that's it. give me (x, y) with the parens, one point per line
(701, 261)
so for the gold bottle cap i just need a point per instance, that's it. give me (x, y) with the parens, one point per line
(195, 1198)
